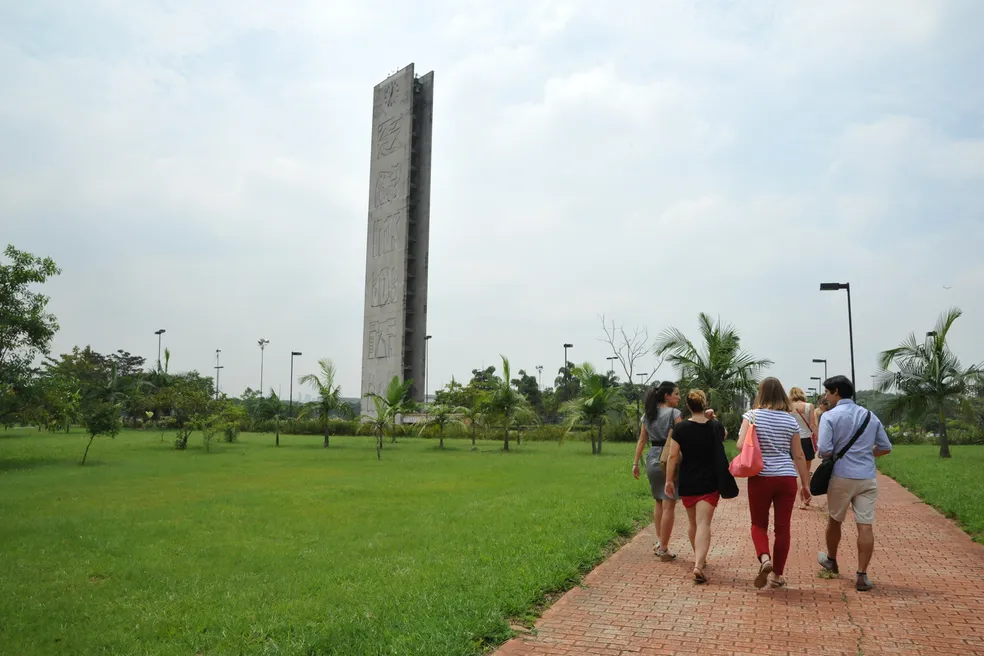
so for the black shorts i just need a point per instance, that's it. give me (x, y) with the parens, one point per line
(808, 450)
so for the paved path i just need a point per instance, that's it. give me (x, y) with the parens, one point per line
(928, 599)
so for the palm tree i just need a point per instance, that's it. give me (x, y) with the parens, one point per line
(377, 423)
(506, 403)
(328, 392)
(395, 401)
(718, 366)
(473, 416)
(930, 382)
(596, 404)
(442, 415)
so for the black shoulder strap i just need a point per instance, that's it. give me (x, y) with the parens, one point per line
(854, 439)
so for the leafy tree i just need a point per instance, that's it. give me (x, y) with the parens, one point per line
(484, 380)
(506, 404)
(528, 386)
(473, 416)
(26, 327)
(567, 385)
(597, 404)
(100, 418)
(718, 365)
(456, 394)
(397, 401)
(188, 398)
(328, 392)
(930, 382)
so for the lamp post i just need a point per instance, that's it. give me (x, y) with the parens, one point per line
(819, 381)
(291, 406)
(217, 368)
(846, 286)
(262, 342)
(159, 333)
(611, 366)
(816, 395)
(567, 371)
(539, 373)
(426, 366)
(824, 362)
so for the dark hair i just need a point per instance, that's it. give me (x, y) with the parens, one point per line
(840, 384)
(696, 401)
(657, 396)
(772, 396)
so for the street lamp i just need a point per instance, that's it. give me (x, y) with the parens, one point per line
(426, 366)
(611, 367)
(819, 382)
(262, 342)
(567, 371)
(159, 333)
(217, 368)
(291, 406)
(846, 286)
(539, 373)
(824, 362)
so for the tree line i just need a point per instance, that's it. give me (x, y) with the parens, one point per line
(921, 386)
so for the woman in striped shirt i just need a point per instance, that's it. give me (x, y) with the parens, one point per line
(775, 486)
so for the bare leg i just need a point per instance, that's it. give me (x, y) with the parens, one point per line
(657, 519)
(834, 538)
(866, 546)
(666, 523)
(692, 529)
(705, 513)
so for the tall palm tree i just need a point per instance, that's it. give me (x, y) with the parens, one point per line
(329, 394)
(441, 415)
(597, 403)
(473, 416)
(507, 404)
(718, 365)
(930, 382)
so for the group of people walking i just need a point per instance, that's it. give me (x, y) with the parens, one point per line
(686, 462)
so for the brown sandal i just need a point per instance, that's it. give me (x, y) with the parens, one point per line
(777, 582)
(699, 577)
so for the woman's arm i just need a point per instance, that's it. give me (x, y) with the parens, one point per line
(640, 445)
(671, 465)
(742, 432)
(813, 418)
(799, 460)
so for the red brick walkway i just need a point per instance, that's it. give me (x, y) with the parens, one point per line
(928, 599)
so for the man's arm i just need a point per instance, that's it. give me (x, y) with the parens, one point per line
(882, 446)
(825, 437)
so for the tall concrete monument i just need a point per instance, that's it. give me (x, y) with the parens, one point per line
(397, 246)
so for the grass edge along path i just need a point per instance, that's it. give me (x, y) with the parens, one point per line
(255, 549)
(953, 486)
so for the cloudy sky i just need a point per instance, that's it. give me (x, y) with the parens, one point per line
(203, 167)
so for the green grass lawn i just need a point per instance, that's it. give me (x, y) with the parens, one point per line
(253, 549)
(955, 486)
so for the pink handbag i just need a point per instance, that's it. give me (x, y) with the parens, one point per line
(749, 462)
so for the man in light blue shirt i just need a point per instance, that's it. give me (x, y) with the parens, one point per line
(854, 481)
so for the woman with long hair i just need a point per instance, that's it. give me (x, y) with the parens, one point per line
(803, 414)
(694, 450)
(775, 486)
(660, 417)
(822, 406)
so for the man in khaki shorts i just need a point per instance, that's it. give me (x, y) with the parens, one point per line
(853, 482)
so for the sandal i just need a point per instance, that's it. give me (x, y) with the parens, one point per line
(699, 577)
(777, 581)
(664, 555)
(763, 576)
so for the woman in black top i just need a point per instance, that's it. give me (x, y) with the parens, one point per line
(696, 442)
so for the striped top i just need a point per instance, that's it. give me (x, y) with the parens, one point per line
(775, 430)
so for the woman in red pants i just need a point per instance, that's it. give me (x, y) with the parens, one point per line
(775, 486)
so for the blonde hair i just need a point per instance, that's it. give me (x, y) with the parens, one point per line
(772, 396)
(797, 394)
(696, 400)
